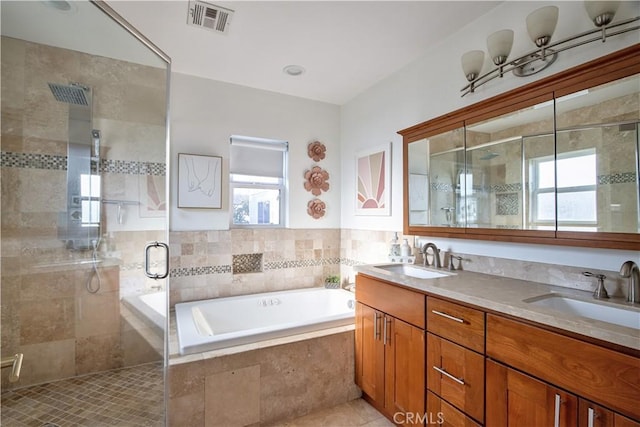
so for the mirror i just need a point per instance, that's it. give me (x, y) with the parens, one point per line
(435, 167)
(555, 165)
(597, 158)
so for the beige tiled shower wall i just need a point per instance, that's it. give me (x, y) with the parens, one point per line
(47, 313)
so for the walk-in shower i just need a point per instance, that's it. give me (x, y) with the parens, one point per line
(79, 225)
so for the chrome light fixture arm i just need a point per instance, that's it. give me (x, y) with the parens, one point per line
(549, 53)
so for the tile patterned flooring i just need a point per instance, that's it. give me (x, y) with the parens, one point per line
(131, 397)
(356, 413)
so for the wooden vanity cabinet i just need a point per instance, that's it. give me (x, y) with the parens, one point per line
(592, 415)
(515, 400)
(390, 348)
(455, 361)
(574, 367)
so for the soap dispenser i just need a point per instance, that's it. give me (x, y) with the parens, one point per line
(405, 249)
(394, 249)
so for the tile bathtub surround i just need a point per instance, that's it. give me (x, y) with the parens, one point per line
(203, 263)
(263, 385)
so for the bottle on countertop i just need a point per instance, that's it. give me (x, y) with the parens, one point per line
(394, 249)
(405, 249)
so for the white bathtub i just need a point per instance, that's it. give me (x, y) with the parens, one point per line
(225, 322)
(151, 308)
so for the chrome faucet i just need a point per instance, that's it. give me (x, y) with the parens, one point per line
(630, 269)
(601, 291)
(436, 255)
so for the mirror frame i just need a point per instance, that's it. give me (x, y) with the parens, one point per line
(615, 66)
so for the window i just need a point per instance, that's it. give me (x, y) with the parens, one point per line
(90, 200)
(258, 181)
(576, 190)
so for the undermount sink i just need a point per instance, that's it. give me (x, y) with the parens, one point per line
(412, 271)
(622, 316)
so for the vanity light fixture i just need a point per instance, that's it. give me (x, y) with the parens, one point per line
(541, 24)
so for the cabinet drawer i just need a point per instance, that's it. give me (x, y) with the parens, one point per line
(398, 302)
(607, 377)
(457, 375)
(457, 323)
(441, 413)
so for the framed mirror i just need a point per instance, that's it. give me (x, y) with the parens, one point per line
(553, 162)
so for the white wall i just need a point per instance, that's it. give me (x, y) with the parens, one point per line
(429, 88)
(205, 113)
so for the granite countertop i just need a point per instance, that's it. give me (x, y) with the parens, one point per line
(508, 296)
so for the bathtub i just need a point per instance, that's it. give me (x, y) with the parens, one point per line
(225, 322)
(151, 308)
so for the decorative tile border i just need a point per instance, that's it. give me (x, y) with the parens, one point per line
(32, 161)
(200, 271)
(274, 265)
(277, 265)
(617, 178)
(51, 162)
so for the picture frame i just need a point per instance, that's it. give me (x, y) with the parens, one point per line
(199, 181)
(373, 181)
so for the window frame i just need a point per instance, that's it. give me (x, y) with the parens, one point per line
(535, 190)
(280, 184)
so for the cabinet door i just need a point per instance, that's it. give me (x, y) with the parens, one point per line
(404, 367)
(441, 413)
(457, 375)
(369, 352)
(515, 400)
(592, 415)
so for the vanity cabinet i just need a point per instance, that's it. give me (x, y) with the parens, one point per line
(606, 380)
(390, 347)
(515, 399)
(592, 415)
(455, 361)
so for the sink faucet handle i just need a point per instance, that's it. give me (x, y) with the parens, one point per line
(452, 267)
(601, 291)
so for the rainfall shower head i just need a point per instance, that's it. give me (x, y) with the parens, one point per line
(73, 93)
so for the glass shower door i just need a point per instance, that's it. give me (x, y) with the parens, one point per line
(84, 142)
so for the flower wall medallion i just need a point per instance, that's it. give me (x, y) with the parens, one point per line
(316, 150)
(316, 208)
(316, 180)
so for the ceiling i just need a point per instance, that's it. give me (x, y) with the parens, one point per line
(345, 46)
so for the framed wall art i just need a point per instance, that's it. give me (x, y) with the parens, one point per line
(199, 181)
(373, 181)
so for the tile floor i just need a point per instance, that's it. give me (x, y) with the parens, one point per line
(133, 397)
(350, 414)
(129, 397)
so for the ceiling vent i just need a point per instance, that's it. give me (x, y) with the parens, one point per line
(209, 16)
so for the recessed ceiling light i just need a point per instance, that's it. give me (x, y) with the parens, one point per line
(61, 5)
(293, 70)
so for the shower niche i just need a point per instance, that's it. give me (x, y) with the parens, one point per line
(554, 162)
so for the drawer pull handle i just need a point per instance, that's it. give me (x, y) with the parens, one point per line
(448, 375)
(556, 415)
(592, 417)
(448, 316)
